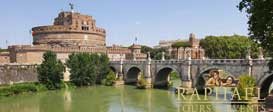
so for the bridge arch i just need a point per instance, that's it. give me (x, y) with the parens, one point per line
(162, 76)
(132, 74)
(265, 84)
(113, 69)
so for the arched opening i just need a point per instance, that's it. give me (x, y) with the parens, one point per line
(267, 86)
(164, 76)
(132, 75)
(215, 77)
(113, 69)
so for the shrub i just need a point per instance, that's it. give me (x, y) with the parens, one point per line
(110, 79)
(174, 75)
(50, 72)
(21, 88)
(141, 83)
(70, 85)
(170, 84)
(245, 81)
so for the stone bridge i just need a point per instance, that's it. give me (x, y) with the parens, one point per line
(157, 72)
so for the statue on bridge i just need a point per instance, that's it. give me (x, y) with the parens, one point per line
(215, 80)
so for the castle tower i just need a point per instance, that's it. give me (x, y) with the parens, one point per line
(70, 29)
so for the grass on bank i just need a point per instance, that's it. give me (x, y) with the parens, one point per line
(10, 90)
(15, 89)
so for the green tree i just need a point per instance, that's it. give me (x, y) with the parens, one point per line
(109, 79)
(181, 44)
(103, 67)
(156, 53)
(229, 47)
(87, 69)
(260, 14)
(50, 72)
(3, 50)
(146, 49)
(82, 69)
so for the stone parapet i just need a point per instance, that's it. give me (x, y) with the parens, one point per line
(118, 50)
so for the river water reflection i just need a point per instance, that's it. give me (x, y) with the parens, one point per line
(105, 99)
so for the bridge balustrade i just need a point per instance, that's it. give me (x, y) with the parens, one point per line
(259, 61)
(200, 61)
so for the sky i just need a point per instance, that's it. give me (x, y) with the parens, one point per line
(148, 20)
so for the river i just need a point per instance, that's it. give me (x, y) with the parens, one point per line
(106, 99)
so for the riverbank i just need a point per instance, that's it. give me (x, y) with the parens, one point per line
(15, 89)
(20, 88)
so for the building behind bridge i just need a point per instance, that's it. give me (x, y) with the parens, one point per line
(194, 50)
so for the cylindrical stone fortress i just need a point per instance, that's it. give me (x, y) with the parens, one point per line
(70, 29)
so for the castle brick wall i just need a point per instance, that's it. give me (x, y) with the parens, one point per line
(14, 73)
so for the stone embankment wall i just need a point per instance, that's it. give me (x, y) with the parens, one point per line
(15, 73)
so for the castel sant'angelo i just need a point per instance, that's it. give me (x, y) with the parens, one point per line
(73, 32)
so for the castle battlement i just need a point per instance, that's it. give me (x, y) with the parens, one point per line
(60, 28)
(24, 48)
(118, 50)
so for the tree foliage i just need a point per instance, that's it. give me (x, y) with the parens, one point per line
(146, 49)
(86, 69)
(156, 53)
(3, 50)
(141, 82)
(50, 72)
(174, 75)
(109, 79)
(181, 44)
(245, 81)
(229, 47)
(103, 67)
(260, 15)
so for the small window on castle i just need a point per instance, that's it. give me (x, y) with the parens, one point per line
(85, 28)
